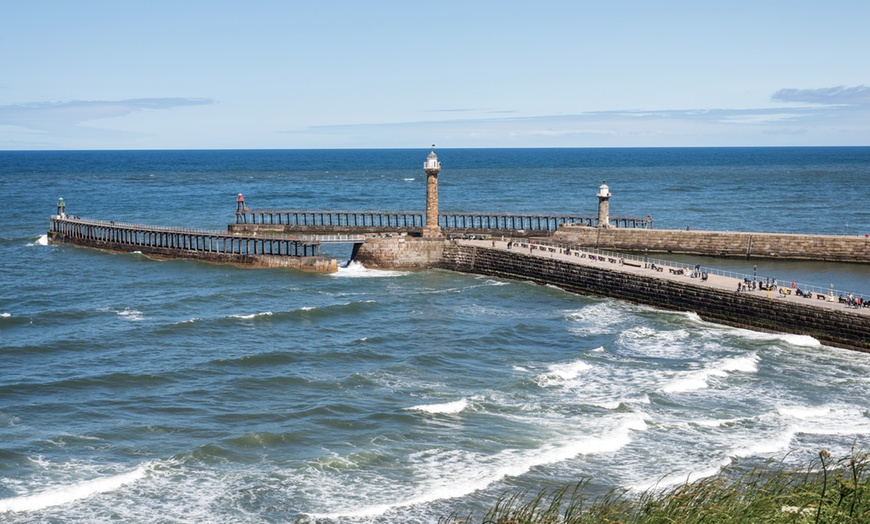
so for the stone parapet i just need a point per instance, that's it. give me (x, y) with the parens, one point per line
(833, 248)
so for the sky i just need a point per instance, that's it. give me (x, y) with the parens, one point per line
(256, 74)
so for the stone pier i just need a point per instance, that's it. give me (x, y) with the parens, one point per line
(831, 323)
(833, 248)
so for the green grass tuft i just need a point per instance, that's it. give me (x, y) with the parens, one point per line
(825, 491)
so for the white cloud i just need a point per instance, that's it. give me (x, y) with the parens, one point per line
(840, 95)
(764, 118)
(64, 117)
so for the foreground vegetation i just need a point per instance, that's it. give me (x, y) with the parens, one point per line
(826, 491)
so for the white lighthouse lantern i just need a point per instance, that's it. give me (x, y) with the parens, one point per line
(432, 166)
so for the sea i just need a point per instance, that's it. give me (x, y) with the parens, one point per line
(137, 390)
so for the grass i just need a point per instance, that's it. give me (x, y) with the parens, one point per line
(825, 491)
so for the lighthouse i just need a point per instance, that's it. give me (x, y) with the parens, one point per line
(432, 167)
(604, 205)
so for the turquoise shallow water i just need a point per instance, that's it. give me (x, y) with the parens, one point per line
(148, 391)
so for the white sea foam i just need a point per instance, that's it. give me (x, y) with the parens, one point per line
(617, 402)
(357, 270)
(700, 379)
(652, 342)
(41, 241)
(596, 319)
(791, 339)
(715, 423)
(691, 315)
(449, 473)
(682, 477)
(131, 314)
(690, 381)
(596, 381)
(253, 315)
(827, 419)
(794, 340)
(5, 315)
(559, 374)
(766, 444)
(804, 412)
(743, 364)
(65, 494)
(800, 340)
(445, 408)
(409, 179)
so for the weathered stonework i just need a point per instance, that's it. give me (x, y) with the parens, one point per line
(432, 167)
(311, 264)
(839, 328)
(401, 253)
(720, 243)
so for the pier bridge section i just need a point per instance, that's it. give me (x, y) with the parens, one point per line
(413, 222)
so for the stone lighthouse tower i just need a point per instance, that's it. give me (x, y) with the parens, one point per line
(432, 167)
(604, 205)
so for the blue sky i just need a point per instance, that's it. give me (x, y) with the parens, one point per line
(381, 74)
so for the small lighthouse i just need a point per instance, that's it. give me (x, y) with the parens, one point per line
(604, 205)
(432, 167)
(61, 208)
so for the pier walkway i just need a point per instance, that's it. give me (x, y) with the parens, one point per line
(413, 221)
(127, 236)
(331, 238)
(675, 272)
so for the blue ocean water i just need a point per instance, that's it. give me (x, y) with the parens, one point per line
(177, 391)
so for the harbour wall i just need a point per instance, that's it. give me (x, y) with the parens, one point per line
(400, 253)
(311, 264)
(833, 327)
(832, 248)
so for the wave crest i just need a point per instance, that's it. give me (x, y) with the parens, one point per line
(449, 408)
(66, 494)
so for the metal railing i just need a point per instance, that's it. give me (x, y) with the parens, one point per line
(336, 238)
(161, 229)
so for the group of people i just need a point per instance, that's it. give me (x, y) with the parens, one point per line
(747, 284)
(751, 284)
(852, 302)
